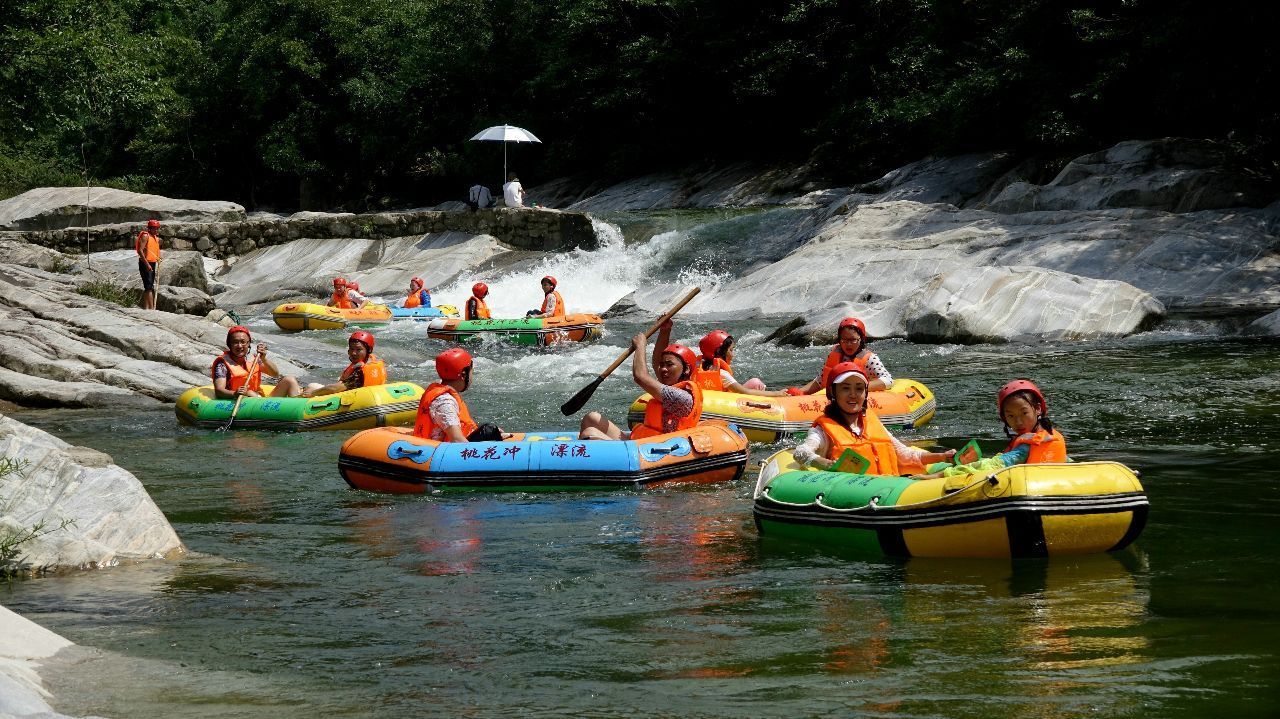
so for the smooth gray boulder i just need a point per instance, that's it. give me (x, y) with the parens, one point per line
(83, 510)
(1171, 174)
(24, 647)
(733, 186)
(950, 180)
(179, 268)
(183, 301)
(52, 208)
(1265, 326)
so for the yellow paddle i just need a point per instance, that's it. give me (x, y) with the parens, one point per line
(578, 400)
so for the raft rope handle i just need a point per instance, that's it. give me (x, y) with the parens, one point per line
(874, 504)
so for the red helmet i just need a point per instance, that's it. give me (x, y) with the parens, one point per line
(552, 280)
(238, 328)
(686, 356)
(153, 224)
(354, 285)
(339, 282)
(363, 338)
(480, 290)
(844, 368)
(453, 363)
(1020, 385)
(416, 281)
(714, 342)
(855, 323)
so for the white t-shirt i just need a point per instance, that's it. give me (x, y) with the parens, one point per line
(513, 194)
(444, 413)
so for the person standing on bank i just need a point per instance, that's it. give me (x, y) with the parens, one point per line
(513, 191)
(147, 245)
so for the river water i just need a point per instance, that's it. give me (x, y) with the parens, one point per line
(301, 596)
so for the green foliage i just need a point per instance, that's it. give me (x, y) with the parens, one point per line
(357, 103)
(11, 540)
(109, 291)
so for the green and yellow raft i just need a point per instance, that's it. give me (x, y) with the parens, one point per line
(534, 331)
(394, 404)
(1029, 510)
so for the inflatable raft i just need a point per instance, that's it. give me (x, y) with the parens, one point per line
(423, 313)
(908, 404)
(394, 460)
(385, 404)
(298, 316)
(1029, 510)
(538, 331)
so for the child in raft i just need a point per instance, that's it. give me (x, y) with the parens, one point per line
(847, 423)
(442, 415)
(851, 346)
(418, 295)
(676, 402)
(346, 295)
(477, 308)
(552, 302)
(1032, 437)
(234, 375)
(715, 371)
(365, 370)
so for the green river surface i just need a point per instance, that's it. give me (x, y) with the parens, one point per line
(301, 597)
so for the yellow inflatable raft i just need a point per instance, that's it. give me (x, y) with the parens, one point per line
(1028, 510)
(298, 316)
(908, 404)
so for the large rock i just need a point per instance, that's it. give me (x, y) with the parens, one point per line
(950, 180)
(304, 269)
(180, 268)
(86, 511)
(1265, 326)
(737, 186)
(24, 647)
(1172, 174)
(51, 208)
(183, 301)
(997, 304)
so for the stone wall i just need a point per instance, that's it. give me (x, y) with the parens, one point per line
(526, 229)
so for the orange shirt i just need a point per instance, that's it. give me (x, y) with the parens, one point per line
(147, 246)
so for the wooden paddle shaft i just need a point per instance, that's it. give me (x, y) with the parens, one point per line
(236, 408)
(670, 313)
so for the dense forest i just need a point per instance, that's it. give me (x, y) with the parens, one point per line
(369, 103)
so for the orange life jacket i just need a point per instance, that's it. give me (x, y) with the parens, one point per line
(340, 300)
(147, 246)
(710, 378)
(875, 444)
(1045, 446)
(238, 373)
(414, 299)
(425, 425)
(374, 371)
(546, 303)
(837, 356)
(477, 309)
(654, 417)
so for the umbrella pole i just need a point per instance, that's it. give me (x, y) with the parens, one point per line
(504, 164)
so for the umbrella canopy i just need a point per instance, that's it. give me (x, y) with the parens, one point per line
(505, 134)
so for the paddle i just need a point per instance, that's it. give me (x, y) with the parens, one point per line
(578, 400)
(252, 366)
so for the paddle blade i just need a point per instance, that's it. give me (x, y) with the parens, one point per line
(577, 401)
(852, 462)
(971, 452)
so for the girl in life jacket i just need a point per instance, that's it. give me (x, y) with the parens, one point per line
(715, 371)
(552, 302)
(442, 415)
(365, 370)
(476, 308)
(346, 295)
(676, 402)
(235, 374)
(847, 423)
(418, 295)
(850, 347)
(1032, 437)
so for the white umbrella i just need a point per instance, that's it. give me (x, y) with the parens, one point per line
(505, 134)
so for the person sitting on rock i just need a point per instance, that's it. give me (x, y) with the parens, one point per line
(442, 415)
(365, 370)
(1032, 436)
(346, 295)
(851, 346)
(418, 295)
(233, 374)
(476, 308)
(675, 402)
(552, 302)
(847, 423)
(715, 371)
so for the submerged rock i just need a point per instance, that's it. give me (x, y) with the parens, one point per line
(86, 511)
